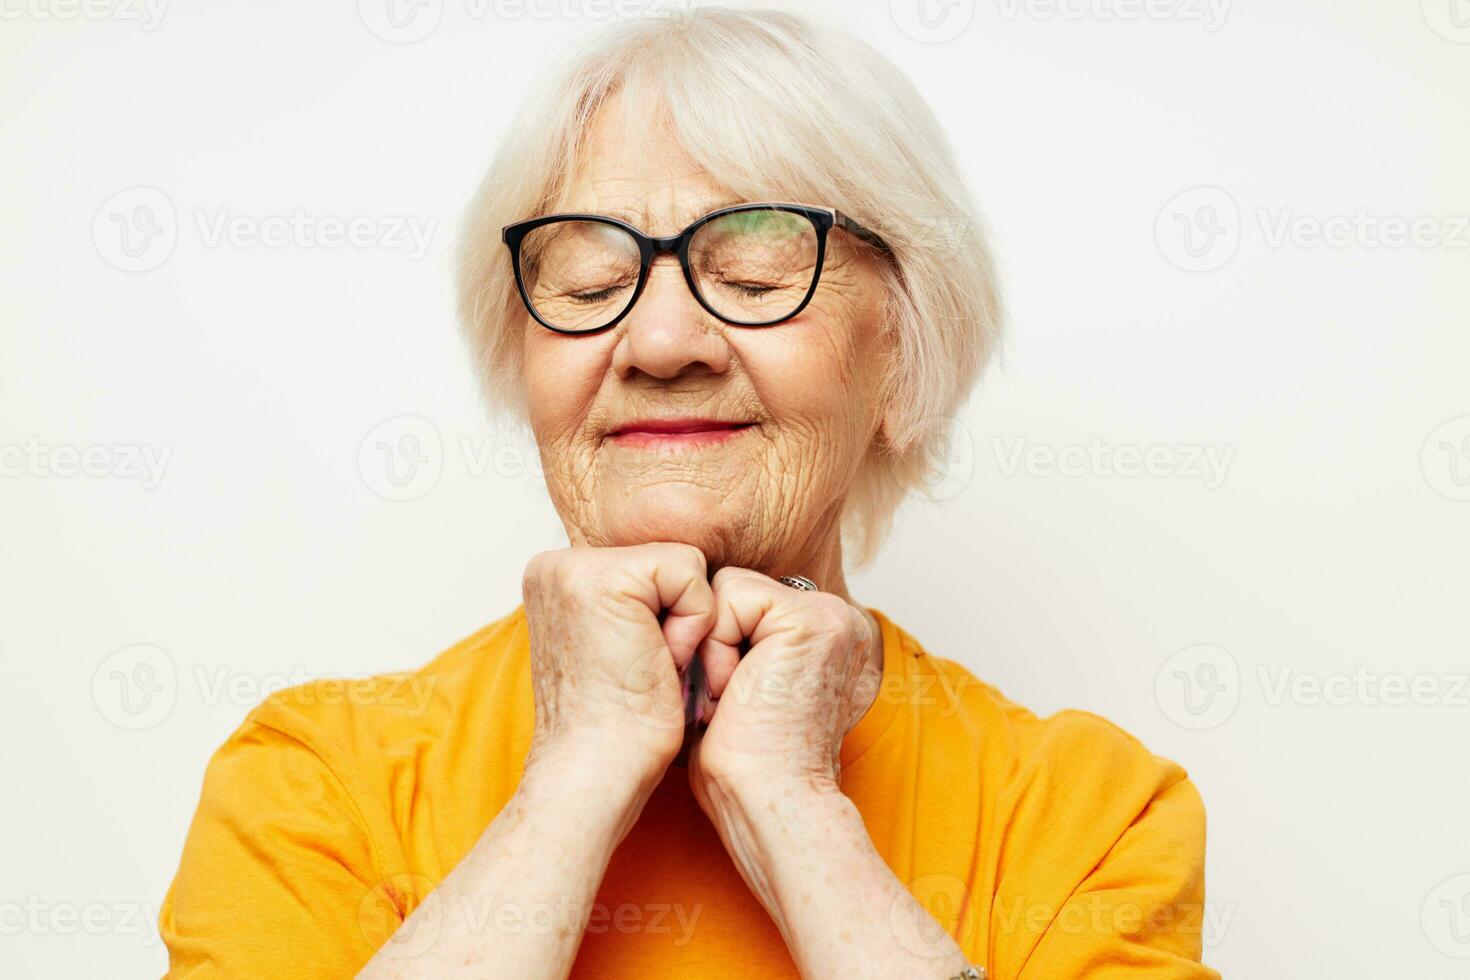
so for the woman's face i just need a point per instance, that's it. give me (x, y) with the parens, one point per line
(759, 496)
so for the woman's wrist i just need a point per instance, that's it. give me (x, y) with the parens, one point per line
(804, 848)
(780, 831)
(584, 780)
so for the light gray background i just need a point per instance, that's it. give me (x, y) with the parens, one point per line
(1291, 626)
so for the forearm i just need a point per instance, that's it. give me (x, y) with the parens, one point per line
(806, 854)
(517, 904)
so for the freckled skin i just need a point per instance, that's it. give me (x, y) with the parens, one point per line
(768, 499)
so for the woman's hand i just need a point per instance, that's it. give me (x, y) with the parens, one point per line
(766, 772)
(609, 718)
(605, 670)
(781, 710)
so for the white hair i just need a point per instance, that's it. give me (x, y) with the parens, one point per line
(774, 106)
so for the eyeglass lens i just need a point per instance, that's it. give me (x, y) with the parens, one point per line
(749, 266)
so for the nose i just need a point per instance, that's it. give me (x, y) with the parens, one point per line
(668, 334)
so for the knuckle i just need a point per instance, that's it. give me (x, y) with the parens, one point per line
(558, 572)
(697, 560)
(533, 578)
(687, 556)
(725, 575)
(583, 562)
(831, 615)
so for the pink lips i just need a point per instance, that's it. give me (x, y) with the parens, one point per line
(677, 432)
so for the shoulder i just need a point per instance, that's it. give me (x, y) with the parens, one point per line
(344, 720)
(1078, 819)
(334, 771)
(309, 805)
(1073, 767)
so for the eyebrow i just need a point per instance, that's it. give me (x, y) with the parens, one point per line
(626, 214)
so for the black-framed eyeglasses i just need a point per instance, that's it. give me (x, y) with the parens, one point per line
(750, 265)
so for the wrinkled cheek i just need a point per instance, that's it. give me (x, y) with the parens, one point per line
(570, 481)
(804, 475)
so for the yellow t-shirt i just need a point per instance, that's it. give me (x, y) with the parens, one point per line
(1049, 848)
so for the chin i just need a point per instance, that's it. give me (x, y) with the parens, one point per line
(685, 513)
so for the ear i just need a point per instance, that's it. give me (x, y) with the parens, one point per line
(889, 427)
(883, 434)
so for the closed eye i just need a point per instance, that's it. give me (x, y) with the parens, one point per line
(750, 289)
(597, 295)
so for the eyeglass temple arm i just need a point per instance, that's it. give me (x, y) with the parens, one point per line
(853, 228)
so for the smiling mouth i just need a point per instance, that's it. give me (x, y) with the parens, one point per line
(660, 433)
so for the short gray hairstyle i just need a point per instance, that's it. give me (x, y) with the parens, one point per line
(824, 118)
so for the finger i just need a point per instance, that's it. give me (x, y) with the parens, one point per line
(720, 661)
(742, 599)
(677, 574)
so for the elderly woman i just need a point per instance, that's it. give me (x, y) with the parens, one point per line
(726, 269)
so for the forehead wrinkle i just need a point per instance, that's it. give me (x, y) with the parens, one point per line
(634, 158)
(689, 207)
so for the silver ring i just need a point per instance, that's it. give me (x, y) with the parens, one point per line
(799, 582)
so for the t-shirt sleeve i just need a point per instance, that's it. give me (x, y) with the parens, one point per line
(279, 876)
(1140, 912)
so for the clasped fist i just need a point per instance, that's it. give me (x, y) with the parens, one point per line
(613, 631)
